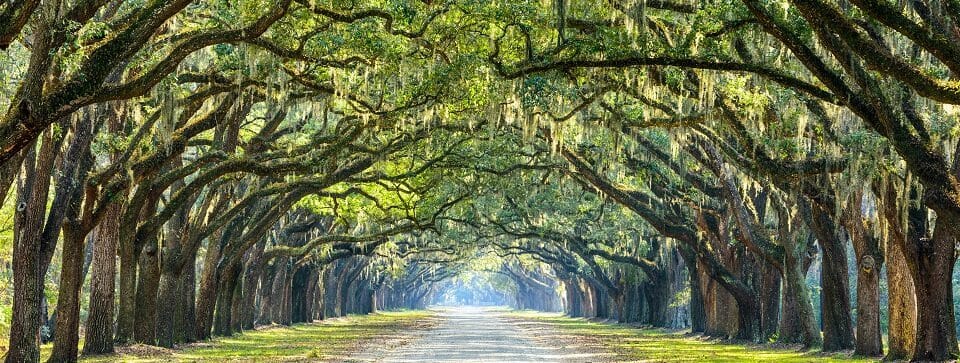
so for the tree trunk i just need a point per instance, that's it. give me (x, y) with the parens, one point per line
(224, 302)
(657, 300)
(798, 325)
(28, 254)
(286, 303)
(936, 331)
(312, 287)
(710, 293)
(99, 327)
(901, 265)
(277, 289)
(206, 299)
(698, 314)
(835, 299)
(299, 297)
(869, 260)
(251, 279)
(169, 271)
(574, 307)
(66, 338)
(769, 300)
(74, 266)
(835, 295)
(146, 298)
(748, 321)
(319, 292)
(185, 330)
(236, 303)
(869, 337)
(265, 312)
(130, 250)
(902, 306)
(166, 317)
(127, 289)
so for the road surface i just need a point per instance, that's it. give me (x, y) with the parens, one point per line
(477, 334)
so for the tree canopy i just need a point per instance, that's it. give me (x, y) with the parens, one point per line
(176, 169)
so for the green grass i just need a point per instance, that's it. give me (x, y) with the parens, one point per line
(654, 345)
(325, 340)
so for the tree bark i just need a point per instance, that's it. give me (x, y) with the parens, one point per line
(574, 298)
(206, 298)
(127, 288)
(148, 283)
(74, 171)
(224, 302)
(166, 318)
(130, 250)
(902, 306)
(265, 314)
(835, 296)
(698, 314)
(869, 261)
(285, 308)
(236, 302)
(66, 338)
(186, 317)
(869, 337)
(769, 300)
(930, 264)
(169, 285)
(251, 280)
(28, 253)
(299, 297)
(99, 328)
(936, 330)
(657, 300)
(798, 325)
(177, 324)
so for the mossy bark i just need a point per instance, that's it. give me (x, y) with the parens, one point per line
(869, 339)
(148, 283)
(28, 253)
(103, 270)
(67, 338)
(798, 324)
(902, 306)
(932, 278)
(835, 296)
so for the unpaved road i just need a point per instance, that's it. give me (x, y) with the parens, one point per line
(476, 334)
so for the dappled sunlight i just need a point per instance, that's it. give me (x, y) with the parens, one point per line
(328, 340)
(657, 345)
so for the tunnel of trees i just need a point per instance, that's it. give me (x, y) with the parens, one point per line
(761, 170)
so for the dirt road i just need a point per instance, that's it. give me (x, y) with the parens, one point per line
(477, 334)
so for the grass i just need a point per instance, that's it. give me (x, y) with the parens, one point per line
(334, 339)
(326, 340)
(655, 345)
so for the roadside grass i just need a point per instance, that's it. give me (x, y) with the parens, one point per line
(325, 340)
(656, 345)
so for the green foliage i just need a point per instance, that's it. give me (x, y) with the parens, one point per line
(421, 83)
(6, 266)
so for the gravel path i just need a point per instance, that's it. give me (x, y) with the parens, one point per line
(476, 334)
